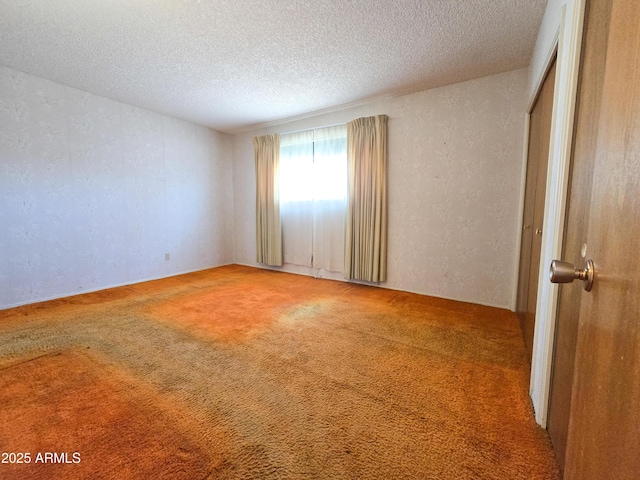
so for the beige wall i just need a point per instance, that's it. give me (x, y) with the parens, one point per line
(547, 36)
(94, 192)
(455, 157)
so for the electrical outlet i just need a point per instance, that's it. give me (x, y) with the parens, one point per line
(167, 256)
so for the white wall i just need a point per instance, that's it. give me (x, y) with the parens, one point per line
(455, 156)
(547, 36)
(94, 192)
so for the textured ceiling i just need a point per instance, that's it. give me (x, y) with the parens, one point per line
(229, 64)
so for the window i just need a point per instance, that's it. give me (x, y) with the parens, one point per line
(313, 195)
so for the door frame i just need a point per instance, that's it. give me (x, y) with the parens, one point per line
(567, 43)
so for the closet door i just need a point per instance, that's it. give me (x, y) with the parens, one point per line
(537, 161)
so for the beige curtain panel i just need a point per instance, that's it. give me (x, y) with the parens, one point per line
(268, 229)
(366, 230)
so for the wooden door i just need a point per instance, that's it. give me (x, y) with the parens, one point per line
(577, 219)
(535, 189)
(603, 440)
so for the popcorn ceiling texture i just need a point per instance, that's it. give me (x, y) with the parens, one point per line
(229, 64)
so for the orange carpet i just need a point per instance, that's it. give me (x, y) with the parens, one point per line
(237, 372)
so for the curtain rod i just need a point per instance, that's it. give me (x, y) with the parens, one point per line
(314, 128)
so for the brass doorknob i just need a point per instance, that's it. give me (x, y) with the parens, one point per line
(565, 272)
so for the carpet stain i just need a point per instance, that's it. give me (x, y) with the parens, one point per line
(242, 373)
(228, 313)
(237, 311)
(97, 422)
